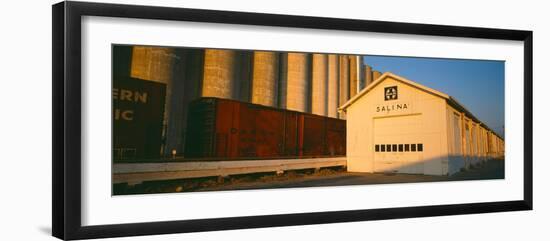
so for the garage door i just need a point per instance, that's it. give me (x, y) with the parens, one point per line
(398, 144)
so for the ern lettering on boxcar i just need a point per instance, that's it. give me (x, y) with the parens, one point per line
(129, 95)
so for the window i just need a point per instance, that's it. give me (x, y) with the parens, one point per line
(399, 147)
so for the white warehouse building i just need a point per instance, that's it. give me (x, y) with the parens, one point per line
(397, 125)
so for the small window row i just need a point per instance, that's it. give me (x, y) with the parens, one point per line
(399, 147)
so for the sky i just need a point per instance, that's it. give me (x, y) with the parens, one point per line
(476, 84)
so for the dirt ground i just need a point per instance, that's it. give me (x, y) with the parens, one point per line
(492, 169)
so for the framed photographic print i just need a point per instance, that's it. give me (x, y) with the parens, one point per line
(169, 120)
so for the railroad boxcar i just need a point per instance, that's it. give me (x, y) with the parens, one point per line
(229, 129)
(138, 114)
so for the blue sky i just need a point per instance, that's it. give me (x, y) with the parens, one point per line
(476, 84)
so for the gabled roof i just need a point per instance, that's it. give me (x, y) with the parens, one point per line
(450, 100)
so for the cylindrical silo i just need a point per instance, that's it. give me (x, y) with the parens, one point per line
(319, 80)
(265, 76)
(152, 63)
(295, 81)
(368, 75)
(185, 88)
(376, 75)
(158, 64)
(353, 75)
(360, 74)
(243, 75)
(219, 74)
(122, 60)
(333, 87)
(343, 82)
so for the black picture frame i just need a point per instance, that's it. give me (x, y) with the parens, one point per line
(66, 47)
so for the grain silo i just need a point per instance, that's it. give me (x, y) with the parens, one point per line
(219, 74)
(333, 87)
(295, 81)
(343, 80)
(319, 81)
(265, 78)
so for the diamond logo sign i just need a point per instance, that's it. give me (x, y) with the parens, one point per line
(390, 93)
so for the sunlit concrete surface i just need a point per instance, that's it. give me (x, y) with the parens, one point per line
(325, 177)
(139, 172)
(152, 63)
(333, 86)
(354, 62)
(343, 83)
(296, 81)
(368, 76)
(265, 78)
(376, 75)
(219, 74)
(319, 83)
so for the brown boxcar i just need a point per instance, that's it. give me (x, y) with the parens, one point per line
(138, 113)
(229, 129)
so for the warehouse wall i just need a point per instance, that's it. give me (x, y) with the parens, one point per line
(431, 130)
(468, 148)
(454, 140)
